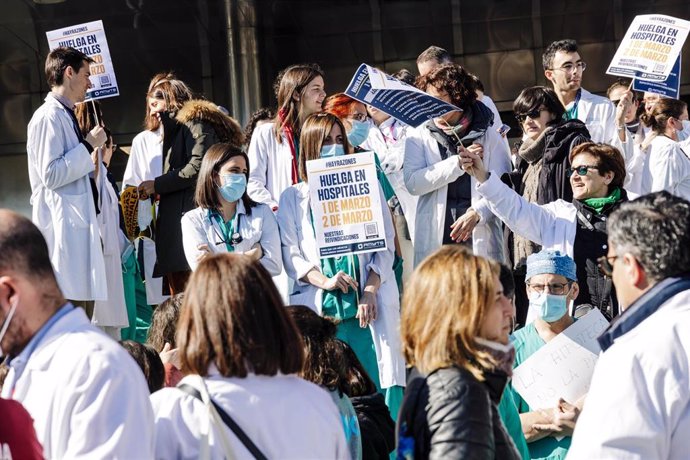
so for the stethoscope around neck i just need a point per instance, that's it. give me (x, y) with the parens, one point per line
(235, 238)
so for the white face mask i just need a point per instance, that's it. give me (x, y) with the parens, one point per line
(685, 132)
(144, 215)
(6, 325)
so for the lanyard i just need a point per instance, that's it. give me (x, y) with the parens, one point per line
(571, 113)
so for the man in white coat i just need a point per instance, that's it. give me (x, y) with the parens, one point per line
(564, 68)
(86, 395)
(61, 173)
(638, 405)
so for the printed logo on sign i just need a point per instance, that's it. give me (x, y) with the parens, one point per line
(105, 80)
(371, 230)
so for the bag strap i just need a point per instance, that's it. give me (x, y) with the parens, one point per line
(228, 420)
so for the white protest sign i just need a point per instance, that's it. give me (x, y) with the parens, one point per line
(89, 38)
(563, 367)
(346, 205)
(401, 101)
(650, 47)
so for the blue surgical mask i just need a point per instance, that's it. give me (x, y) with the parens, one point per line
(332, 150)
(233, 186)
(359, 132)
(550, 307)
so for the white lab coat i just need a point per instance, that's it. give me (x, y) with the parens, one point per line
(552, 225)
(87, 396)
(270, 166)
(638, 405)
(427, 176)
(392, 157)
(599, 114)
(63, 208)
(300, 256)
(634, 156)
(497, 122)
(258, 227)
(284, 416)
(146, 163)
(666, 167)
(113, 311)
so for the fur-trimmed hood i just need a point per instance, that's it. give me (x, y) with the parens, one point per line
(226, 127)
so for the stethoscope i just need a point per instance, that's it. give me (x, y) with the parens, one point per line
(235, 238)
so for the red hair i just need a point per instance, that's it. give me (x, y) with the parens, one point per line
(339, 105)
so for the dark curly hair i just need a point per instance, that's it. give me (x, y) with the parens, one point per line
(264, 113)
(324, 364)
(454, 80)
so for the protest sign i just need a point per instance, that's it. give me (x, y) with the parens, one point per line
(650, 47)
(394, 97)
(563, 367)
(89, 38)
(667, 88)
(346, 205)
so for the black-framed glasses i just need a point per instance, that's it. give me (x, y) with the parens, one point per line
(569, 67)
(580, 170)
(534, 114)
(606, 264)
(554, 288)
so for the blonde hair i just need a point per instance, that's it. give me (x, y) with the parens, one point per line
(444, 306)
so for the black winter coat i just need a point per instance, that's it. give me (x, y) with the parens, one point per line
(554, 183)
(187, 137)
(452, 415)
(375, 425)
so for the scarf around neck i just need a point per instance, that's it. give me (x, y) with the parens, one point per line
(598, 204)
(294, 148)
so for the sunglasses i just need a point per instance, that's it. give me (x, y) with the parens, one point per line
(534, 114)
(606, 264)
(158, 94)
(580, 170)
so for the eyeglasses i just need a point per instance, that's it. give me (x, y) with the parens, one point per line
(554, 288)
(534, 114)
(580, 170)
(569, 67)
(606, 264)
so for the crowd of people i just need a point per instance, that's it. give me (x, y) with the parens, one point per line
(186, 312)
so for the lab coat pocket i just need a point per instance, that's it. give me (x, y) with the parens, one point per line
(74, 210)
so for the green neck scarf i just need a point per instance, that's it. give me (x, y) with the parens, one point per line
(598, 204)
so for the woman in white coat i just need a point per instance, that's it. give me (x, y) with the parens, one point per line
(274, 148)
(226, 219)
(358, 290)
(576, 228)
(666, 164)
(449, 210)
(240, 351)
